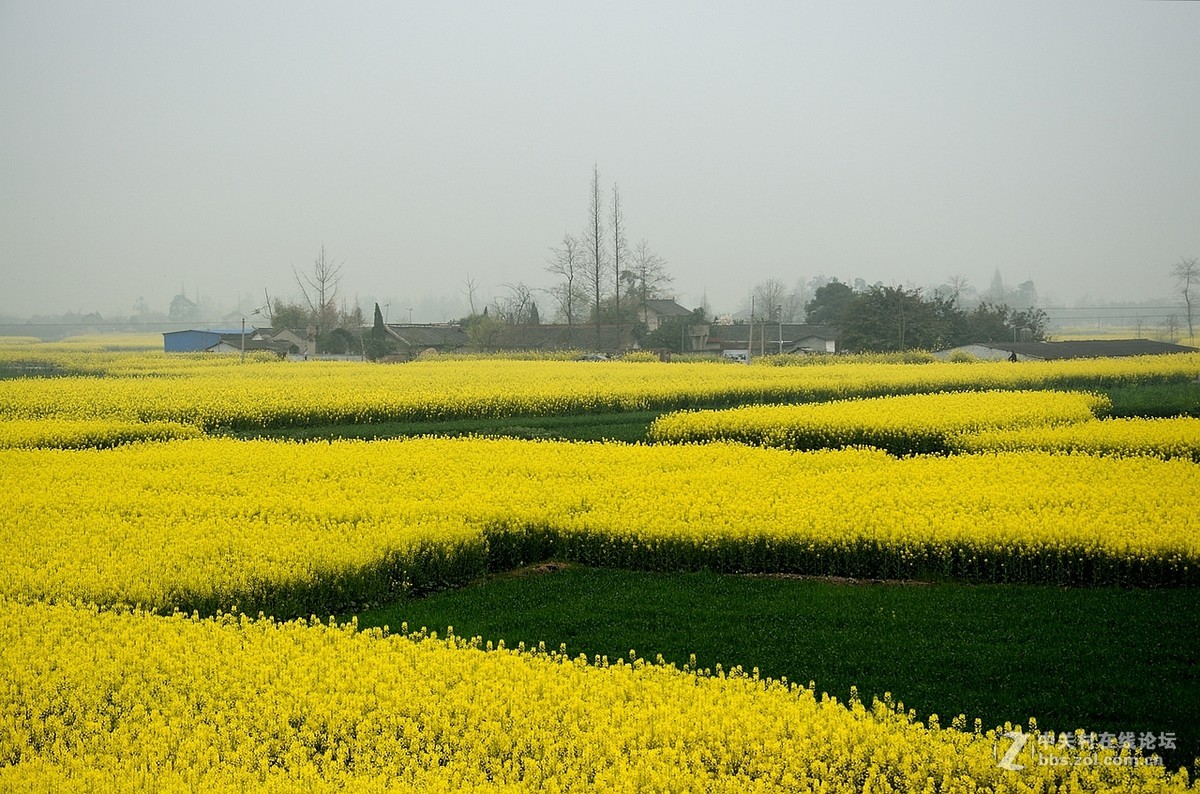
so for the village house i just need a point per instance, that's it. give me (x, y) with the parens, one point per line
(656, 310)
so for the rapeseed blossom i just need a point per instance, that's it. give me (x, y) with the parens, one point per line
(127, 701)
(1175, 437)
(906, 424)
(292, 528)
(216, 393)
(105, 686)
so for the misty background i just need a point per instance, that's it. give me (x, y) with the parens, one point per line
(149, 149)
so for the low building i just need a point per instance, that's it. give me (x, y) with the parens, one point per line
(657, 310)
(296, 342)
(199, 341)
(191, 340)
(610, 339)
(767, 338)
(410, 341)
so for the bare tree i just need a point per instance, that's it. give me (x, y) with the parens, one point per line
(1187, 278)
(319, 288)
(517, 307)
(595, 253)
(650, 275)
(792, 310)
(1170, 329)
(769, 297)
(619, 250)
(566, 261)
(269, 308)
(958, 285)
(470, 285)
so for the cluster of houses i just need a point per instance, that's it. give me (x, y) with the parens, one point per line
(737, 341)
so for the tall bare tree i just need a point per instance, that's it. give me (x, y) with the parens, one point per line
(595, 253)
(566, 261)
(650, 275)
(1187, 278)
(470, 286)
(319, 288)
(619, 250)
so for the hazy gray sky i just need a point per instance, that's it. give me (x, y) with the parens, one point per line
(150, 145)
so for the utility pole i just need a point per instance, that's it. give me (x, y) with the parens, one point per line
(750, 344)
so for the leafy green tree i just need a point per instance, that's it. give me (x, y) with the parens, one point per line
(340, 341)
(882, 318)
(672, 334)
(290, 315)
(1030, 323)
(987, 322)
(895, 319)
(483, 331)
(828, 303)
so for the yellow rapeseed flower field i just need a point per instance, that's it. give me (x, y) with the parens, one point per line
(127, 701)
(906, 424)
(1177, 437)
(102, 688)
(218, 392)
(293, 528)
(57, 433)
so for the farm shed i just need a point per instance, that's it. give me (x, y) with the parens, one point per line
(195, 341)
(190, 341)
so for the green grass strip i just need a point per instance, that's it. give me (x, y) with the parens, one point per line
(1103, 659)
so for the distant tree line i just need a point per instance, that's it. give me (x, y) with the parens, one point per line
(882, 318)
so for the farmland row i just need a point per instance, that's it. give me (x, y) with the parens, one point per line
(110, 700)
(220, 395)
(904, 425)
(987, 421)
(298, 528)
(1177, 437)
